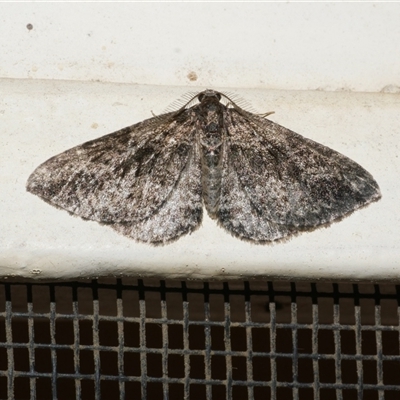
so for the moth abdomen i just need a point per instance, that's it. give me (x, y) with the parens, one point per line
(211, 186)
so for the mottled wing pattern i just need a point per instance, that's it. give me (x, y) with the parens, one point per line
(180, 214)
(237, 212)
(277, 182)
(148, 181)
(125, 177)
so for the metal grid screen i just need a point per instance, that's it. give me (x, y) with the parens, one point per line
(178, 340)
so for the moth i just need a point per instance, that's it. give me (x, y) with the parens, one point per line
(150, 181)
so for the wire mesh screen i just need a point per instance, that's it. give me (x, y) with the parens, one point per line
(189, 340)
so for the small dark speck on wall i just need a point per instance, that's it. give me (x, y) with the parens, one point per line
(192, 76)
(29, 27)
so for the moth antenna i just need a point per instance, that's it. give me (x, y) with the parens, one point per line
(236, 101)
(184, 101)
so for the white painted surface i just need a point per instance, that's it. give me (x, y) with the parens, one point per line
(339, 47)
(40, 119)
(292, 46)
